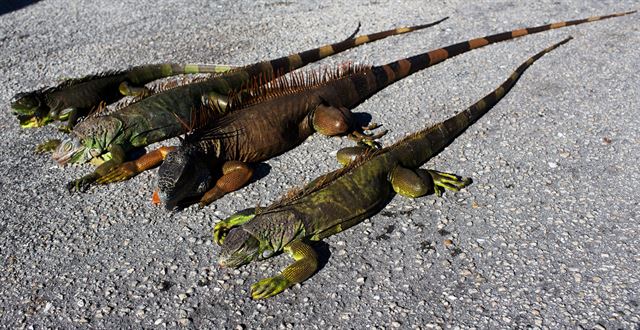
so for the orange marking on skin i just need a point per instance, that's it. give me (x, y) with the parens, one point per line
(479, 42)
(326, 50)
(391, 76)
(155, 199)
(361, 40)
(403, 67)
(437, 55)
(519, 33)
(558, 25)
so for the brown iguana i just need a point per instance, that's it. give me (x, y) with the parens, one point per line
(278, 117)
(75, 98)
(343, 198)
(163, 115)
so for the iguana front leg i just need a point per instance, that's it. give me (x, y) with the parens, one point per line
(128, 89)
(420, 182)
(235, 174)
(306, 263)
(223, 227)
(132, 168)
(117, 157)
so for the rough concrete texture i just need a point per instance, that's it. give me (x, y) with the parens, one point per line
(546, 237)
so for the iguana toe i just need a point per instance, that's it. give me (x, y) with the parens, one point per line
(269, 287)
(82, 184)
(448, 181)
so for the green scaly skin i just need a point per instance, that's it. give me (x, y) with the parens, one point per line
(169, 114)
(343, 198)
(75, 98)
(276, 122)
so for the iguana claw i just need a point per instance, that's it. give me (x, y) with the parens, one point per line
(269, 287)
(443, 180)
(369, 139)
(82, 184)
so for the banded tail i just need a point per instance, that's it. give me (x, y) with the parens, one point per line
(274, 68)
(419, 147)
(394, 71)
(145, 73)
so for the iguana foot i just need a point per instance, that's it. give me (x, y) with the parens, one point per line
(363, 136)
(47, 146)
(220, 231)
(269, 287)
(65, 129)
(121, 173)
(82, 184)
(449, 181)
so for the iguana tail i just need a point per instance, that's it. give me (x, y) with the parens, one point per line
(145, 73)
(416, 149)
(274, 68)
(394, 71)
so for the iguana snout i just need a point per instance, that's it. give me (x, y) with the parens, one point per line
(30, 109)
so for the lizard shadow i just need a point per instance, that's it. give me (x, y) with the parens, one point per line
(323, 252)
(260, 170)
(8, 6)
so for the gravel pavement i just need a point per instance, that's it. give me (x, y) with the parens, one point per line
(546, 237)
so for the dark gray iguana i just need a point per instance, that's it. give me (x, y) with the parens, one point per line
(75, 98)
(343, 198)
(215, 160)
(163, 115)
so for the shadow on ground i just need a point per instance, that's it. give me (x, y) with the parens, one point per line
(7, 6)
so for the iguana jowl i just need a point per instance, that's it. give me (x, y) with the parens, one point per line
(163, 115)
(75, 98)
(279, 118)
(343, 198)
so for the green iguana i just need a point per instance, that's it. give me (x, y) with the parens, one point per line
(215, 160)
(345, 197)
(163, 115)
(75, 98)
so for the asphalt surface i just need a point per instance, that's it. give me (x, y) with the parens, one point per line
(546, 237)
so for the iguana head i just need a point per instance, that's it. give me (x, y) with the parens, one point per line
(31, 109)
(90, 139)
(239, 248)
(184, 174)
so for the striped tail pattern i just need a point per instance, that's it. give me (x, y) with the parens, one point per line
(274, 68)
(394, 71)
(416, 149)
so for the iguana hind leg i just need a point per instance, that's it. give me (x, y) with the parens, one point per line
(306, 263)
(128, 89)
(420, 182)
(132, 168)
(235, 174)
(331, 121)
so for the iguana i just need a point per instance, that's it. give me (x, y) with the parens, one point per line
(75, 98)
(163, 115)
(277, 118)
(345, 197)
